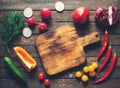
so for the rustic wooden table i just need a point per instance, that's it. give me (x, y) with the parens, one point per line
(65, 79)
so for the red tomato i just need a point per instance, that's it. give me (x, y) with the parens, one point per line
(81, 15)
(31, 21)
(47, 82)
(41, 76)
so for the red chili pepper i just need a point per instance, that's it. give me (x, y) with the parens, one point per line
(104, 46)
(112, 64)
(109, 51)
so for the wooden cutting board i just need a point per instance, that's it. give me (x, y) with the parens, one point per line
(63, 49)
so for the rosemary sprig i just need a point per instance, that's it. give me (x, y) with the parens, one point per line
(11, 27)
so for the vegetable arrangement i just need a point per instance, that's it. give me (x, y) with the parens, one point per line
(45, 13)
(13, 23)
(90, 70)
(113, 60)
(11, 27)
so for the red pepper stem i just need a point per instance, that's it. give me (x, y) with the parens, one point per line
(106, 31)
(114, 54)
(110, 46)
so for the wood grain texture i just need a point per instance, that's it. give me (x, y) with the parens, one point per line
(59, 83)
(67, 78)
(65, 16)
(69, 74)
(89, 51)
(89, 60)
(58, 55)
(37, 4)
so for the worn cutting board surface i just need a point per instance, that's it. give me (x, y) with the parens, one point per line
(63, 49)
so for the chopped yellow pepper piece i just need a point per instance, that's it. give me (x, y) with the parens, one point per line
(25, 58)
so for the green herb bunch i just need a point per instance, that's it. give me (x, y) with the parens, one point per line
(11, 27)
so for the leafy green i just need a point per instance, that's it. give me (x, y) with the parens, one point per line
(11, 27)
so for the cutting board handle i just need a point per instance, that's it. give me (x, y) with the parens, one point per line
(90, 38)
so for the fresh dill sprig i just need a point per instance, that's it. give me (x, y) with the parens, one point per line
(11, 27)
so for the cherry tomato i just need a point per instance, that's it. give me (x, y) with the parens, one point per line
(47, 82)
(86, 69)
(78, 74)
(92, 74)
(84, 78)
(41, 76)
(45, 13)
(95, 65)
(81, 15)
(91, 69)
(31, 21)
(42, 26)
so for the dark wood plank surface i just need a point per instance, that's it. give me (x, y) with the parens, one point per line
(65, 79)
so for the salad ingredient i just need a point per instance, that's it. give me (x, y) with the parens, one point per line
(92, 74)
(25, 58)
(104, 18)
(31, 21)
(28, 12)
(27, 32)
(47, 82)
(78, 74)
(84, 78)
(14, 69)
(86, 69)
(11, 28)
(109, 51)
(104, 46)
(80, 15)
(41, 76)
(110, 69)
(42, 26)
(91, 69)
(59, 6)
(94, 65)
(45, 13)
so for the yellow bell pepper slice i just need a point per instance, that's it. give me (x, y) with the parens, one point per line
(25, 58)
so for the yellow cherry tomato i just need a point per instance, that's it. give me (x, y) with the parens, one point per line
(95, 65)
(84, 78)
(92, 74)
(86, 69)
(78, 74)
(91, 69)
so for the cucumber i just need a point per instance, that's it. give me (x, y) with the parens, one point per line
(14, 69)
